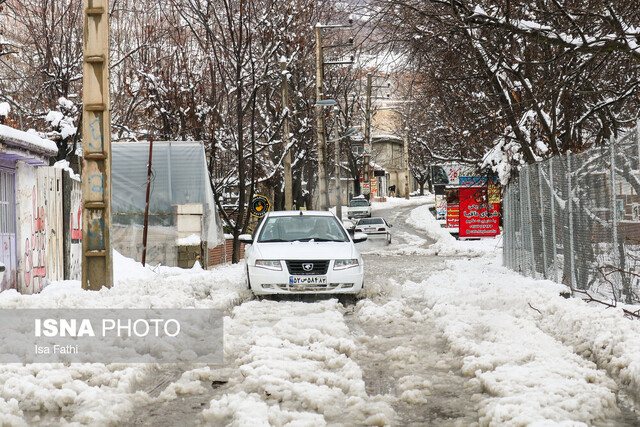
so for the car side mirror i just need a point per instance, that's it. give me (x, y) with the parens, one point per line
(246, 238)
(359, 237)
(390, 225)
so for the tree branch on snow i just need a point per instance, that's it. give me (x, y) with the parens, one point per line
(588, 297)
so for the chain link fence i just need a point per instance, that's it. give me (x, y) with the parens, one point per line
(575, 219)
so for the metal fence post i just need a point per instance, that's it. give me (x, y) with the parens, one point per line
(505, 232)
(542, 227)
(570, 211)
(614, 220)
(553, 222)
(522, 225)
(532, 257)
(512, 232)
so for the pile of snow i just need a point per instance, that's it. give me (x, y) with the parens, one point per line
(522, 342)
(533, 356)
(391, 202)
(447, 245)
(100, 393)
(398, 202)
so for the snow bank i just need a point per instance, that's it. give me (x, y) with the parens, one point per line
(447, 245)
(101, 394)
(536, 357)
(532, 353)
(393, 202)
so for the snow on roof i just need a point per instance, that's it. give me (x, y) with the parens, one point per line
(376, 166)
(27, 140)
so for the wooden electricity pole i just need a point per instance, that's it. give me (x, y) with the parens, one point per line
(97, 262)
(288, 180)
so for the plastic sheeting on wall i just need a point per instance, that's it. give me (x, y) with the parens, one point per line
(180, 198)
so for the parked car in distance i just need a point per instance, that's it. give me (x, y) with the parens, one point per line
(359, 207)
(2, 268)
(374, 227)
(303, 252)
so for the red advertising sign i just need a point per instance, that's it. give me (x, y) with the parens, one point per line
(453, 215)
(478, 216)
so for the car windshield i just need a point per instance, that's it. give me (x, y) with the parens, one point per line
(358, 203)
(302, 228)
(370, 221)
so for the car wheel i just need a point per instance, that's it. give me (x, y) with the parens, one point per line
(389, 240)
(248, 281)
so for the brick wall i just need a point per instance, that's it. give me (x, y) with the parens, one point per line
(221, 254)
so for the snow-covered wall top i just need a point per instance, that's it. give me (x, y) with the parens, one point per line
(27, 140)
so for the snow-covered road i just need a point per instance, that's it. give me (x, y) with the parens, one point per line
(443, 336)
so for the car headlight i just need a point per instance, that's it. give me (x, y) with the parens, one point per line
(269, 264)
(342, 264)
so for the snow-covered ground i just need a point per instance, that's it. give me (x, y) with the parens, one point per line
(444, 336)
(98, 393)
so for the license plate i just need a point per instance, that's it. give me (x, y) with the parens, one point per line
(307, 280)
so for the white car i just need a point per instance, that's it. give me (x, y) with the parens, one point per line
(303, 252)
(359, 207)
(374, 227)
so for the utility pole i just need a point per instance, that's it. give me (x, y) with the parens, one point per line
(320, 124)
(323, 183)
(405, 155)
(366, 178)
(97, 262)
(337, 169)
(288, 180)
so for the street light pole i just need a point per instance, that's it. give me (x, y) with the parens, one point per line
(323, 184)
(337, 170)
(320, 124)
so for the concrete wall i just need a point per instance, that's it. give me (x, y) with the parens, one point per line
(39, 231)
